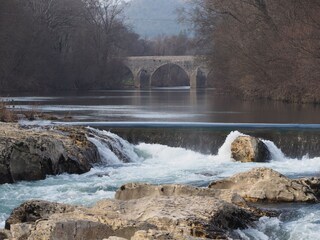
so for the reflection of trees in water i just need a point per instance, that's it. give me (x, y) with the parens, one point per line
(170, 75)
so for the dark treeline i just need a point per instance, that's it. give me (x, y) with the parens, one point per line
(61, 44)
(162, 45)
(71, 45)
(263, 48)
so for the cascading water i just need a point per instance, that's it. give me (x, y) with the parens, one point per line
(112, 148)
(155, 163)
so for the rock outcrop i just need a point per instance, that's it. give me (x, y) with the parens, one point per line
(249, 149)
(31, 154)
(5, 234)
(181, 212)
(32, 211)
(265, 184)
(313, 183)
(133, 191)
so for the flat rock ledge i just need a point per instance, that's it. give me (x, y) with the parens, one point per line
(32, 153)
(139, 212)
(267, 185)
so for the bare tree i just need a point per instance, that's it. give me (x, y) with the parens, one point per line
(262, 48)
(54, 44)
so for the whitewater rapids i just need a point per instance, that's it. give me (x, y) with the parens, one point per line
(159, 164)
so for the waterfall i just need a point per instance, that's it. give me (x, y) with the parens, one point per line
(112, 148)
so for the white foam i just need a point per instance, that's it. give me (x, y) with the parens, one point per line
(266, 228)
(225, 149)
(306, 227)
(276, 153)
(3, 218)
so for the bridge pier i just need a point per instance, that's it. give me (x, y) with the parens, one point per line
(198, 79)
(142, 79)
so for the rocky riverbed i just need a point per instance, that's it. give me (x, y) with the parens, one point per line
(139, 210)
(143, 211)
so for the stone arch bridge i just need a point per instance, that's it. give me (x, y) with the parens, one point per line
(143, 69)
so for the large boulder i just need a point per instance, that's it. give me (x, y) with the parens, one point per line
(34, 210)
(173, 215)
(31, 154)
(265, 184)
(249, 149)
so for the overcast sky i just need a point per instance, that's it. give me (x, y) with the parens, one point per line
(150, 18)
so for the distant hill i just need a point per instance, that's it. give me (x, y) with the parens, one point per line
(151, 18)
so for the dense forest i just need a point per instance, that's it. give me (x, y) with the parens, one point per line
(262, 48)
(72, 44)
(61, 45)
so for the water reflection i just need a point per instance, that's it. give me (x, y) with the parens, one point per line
(167, 105)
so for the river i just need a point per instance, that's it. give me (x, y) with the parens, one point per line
(166, 105)
(161, 112)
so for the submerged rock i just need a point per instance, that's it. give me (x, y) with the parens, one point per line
(181, 212)
(249, 149)
(31, 154)
(265, 184)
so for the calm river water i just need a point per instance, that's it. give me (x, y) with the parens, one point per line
(164, 162)
(167, 105)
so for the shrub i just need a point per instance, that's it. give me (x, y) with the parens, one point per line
(6, 115)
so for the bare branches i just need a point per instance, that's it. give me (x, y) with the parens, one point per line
(274, 43)
(54, 44)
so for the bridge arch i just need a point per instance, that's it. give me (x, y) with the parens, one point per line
(127, 76)
(169, 75)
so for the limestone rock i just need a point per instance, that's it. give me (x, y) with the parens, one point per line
(115, 238)
(249, 149)
(31, 154)
(33, 210)
(182, 212)
(265, 184)
(5, 234)
(132, 191)
(313, 183)
(152, 235)
(21, 231)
